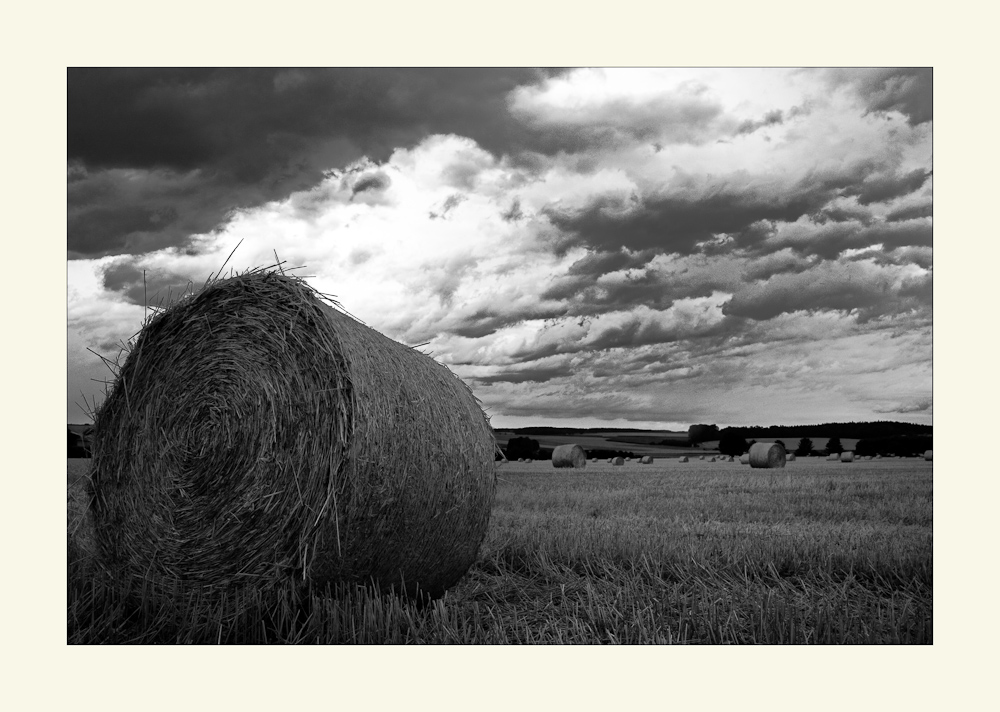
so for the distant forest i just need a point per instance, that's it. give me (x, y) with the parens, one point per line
(876, 429)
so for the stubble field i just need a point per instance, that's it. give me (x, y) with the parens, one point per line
(697, 552)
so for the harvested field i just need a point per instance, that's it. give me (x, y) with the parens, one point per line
(667, 553)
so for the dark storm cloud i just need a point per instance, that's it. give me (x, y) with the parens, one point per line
(910, 212)
(223, 139)
(883, 187)
(677, 224)
(771, 118)
(908, 90)
(373, 182)
(152, 288)
(537, 374)
(843, 288)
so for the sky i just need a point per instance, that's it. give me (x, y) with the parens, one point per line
(590, 247)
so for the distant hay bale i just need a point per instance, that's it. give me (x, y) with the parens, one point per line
(646, 460)
(745, 459)
(569, 455)
(702, 457)
(520, 459)
(256, 436)
(767, 455)
(683, 458)
(617, 461)
(929, 455)
(711, 459)
(833, 457)
(878, 457)
(610, 459)
(628, 459)
(791, 457)
(847, 456)
(731, 459)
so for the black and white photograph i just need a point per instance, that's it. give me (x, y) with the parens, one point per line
(486, 356)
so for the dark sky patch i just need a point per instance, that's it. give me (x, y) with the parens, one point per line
(537, 374)
(910, 212)
(371, 182)
(883, 187)
(246, 136)
(771, 118)
(672, 224)
(154, 288)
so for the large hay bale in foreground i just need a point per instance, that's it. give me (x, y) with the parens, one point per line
(569, 455)
(929, 455)
(766, 455)
(256, 435)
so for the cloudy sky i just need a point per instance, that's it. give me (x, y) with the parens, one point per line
(625, 247)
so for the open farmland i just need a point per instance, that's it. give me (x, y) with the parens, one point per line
(672, 552)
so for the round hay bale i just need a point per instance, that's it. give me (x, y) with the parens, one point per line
(766, 455)
(711, 459)
(731, 459)
(593, 459)
(569, 455)
(833, 457)
(847, 456)
(520, 459)
(745, 459)
(617, 461)
(610, 459)
(701, 457)
(683, 458)
(929, 455)
(878, 457)
(256, 436)
(646, 460)
(791, 457)
(628, 459)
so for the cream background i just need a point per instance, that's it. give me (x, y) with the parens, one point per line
(40, 672)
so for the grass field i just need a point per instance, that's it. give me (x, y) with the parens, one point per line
(699, 552)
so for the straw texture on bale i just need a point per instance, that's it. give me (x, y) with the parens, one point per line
(256, 435)
(766, 455)
(646, 460)
(617, 461)
(847, 456)
(929, 455)
(569, 455)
